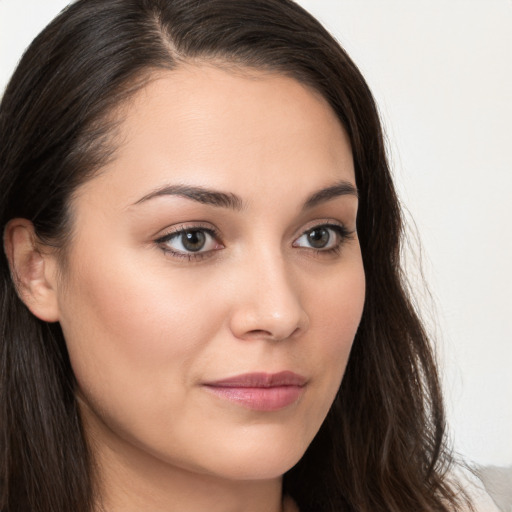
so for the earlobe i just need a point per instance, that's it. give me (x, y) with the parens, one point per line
(32, 269)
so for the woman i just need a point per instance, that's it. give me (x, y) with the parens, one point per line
(203, 306)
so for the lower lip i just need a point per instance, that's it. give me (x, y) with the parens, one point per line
(260, 399)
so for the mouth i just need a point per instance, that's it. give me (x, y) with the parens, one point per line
(260, 391)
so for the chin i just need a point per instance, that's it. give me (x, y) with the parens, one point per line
(258, 468)
(265, 458)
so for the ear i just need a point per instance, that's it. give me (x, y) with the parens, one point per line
(33, 269)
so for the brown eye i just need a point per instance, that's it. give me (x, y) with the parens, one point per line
(193, 240)
(189, 241)
(323, 237)
(318, 238)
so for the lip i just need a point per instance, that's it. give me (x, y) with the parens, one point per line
(260, 391)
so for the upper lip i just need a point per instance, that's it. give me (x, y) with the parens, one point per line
(260, 380)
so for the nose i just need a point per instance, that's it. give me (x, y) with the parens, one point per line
(267, 302)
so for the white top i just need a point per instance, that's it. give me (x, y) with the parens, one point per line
(475, 488)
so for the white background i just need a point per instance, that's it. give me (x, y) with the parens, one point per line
(441, 71)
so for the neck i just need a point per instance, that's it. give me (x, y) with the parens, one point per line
(130, 480)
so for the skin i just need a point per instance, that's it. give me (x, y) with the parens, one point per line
(146, 327)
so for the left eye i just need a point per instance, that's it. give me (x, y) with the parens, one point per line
(190, 241)
(320, 237)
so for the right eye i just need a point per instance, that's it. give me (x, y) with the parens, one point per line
(190, 242)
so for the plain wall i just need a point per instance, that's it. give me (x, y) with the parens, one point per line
(441, 71)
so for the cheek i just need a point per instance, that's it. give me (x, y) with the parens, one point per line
(126, 330)
(336, 308)
(335, 312)
(134, 306)
(136, 342)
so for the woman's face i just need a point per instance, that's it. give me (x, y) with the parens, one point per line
(214, 281)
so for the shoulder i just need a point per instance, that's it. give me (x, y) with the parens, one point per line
(471, 482)
(498, 483)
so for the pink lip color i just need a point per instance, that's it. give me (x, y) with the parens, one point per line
(260, 391)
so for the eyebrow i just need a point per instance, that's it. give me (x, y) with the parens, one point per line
(199, 194)
(229, 200)
(342, 188)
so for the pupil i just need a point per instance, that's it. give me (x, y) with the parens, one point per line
(318, 238)
(193, 240)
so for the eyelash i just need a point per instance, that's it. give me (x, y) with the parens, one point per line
(342, 233)
(177, 232)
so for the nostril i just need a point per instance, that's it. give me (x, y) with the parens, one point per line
(259, 333)
(263, 334)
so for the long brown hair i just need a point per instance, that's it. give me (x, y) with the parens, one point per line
(382, 446)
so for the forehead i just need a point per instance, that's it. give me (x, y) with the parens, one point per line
(234, 129)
